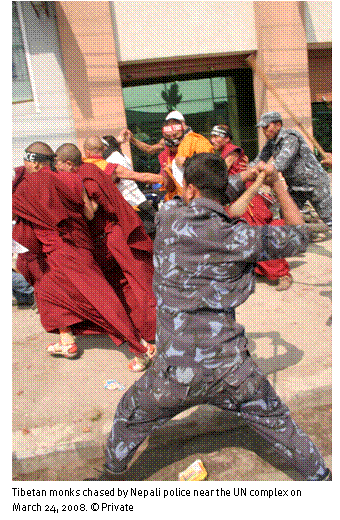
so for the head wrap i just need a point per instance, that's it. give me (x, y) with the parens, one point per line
(167, 127)
(38, 157)
(221, 132)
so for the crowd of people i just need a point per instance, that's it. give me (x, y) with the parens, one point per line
(166, 284)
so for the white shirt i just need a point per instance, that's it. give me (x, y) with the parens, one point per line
(16, 247)
(128, 188)
(177, 173)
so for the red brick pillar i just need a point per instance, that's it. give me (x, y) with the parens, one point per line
(91, 68)
(282, 54)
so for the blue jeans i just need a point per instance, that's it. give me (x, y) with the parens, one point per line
(22, 290)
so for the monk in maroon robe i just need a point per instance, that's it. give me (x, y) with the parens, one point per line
(122, 247)
(258, 212)
(72, 294)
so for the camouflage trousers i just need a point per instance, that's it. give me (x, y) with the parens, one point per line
(243, 391)
(320, 198)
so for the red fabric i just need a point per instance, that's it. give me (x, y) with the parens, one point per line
(31, 266)
(86, 296)
(165, 160)
(258, 214)
(236, 166)
(110, 168)
(100, 188)
(125, 249)
(166, 156)
(45, 198)
(19, 172)
(24, 234)
(53, 205)
(72, 290)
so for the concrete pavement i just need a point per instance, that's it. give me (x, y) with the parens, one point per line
(62, 411)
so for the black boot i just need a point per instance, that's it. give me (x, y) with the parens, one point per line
(328, 475)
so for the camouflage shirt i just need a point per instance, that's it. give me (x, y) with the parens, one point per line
(294, 159)
(204, 268)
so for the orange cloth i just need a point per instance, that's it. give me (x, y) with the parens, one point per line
(190, 144)
(97, 160)
(178, 190)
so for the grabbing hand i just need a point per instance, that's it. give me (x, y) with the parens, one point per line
(167, 180)
(261, 176)
(125, 135)
(244, 161)
(94, 205)
(272, 176)
(261, 165)
(249, 174)
(327, 161)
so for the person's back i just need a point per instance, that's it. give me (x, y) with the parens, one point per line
(191, 245)
(128, 188)
(123, 250)
(204, 267)
(193, 143)
(181, 138)
(302, 167)
(304, 175)
(97, 160)
(203, 357)
(54, 206)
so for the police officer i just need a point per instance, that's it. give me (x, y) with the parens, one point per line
(204, 270)
(305, 177)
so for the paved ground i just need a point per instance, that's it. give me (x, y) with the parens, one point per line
(62, 410)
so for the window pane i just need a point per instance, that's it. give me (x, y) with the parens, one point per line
(148, 96)
(21, 87)
(322, 124)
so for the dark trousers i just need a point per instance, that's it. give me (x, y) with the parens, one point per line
(243, 392)
(320, 198)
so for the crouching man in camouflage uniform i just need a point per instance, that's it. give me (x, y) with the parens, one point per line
(204, 268)
(304, 175)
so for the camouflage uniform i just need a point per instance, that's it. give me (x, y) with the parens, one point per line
(204, 268)
(304, 175)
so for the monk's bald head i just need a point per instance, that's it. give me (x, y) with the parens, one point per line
(93, 145)
(40, 148)
(37, 156)
(69, 152)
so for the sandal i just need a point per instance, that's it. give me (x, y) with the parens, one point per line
(139, 364)
(67, 351)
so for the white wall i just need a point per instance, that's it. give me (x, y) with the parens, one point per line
(49, 118)
(318, 22)
(151, 30)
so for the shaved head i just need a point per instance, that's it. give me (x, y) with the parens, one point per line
(41, 148)
(69, 152)
(38, 155)
(94, 144)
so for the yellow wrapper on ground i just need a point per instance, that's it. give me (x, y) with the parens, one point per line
(196, 471)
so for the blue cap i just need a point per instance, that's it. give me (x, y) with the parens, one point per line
(269, 117)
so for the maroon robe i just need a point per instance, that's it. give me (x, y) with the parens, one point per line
(123, 248)
(167, 156)
(72, 291)
(258, 214)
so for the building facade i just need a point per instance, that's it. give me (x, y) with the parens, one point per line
(84, 68)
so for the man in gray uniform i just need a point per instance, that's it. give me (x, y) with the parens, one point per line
(304, 175)
(204, 268)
